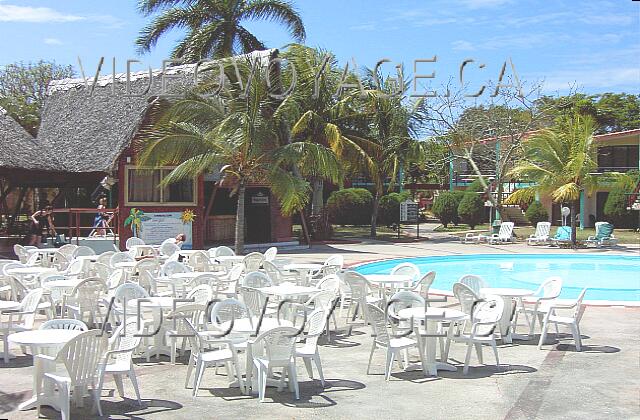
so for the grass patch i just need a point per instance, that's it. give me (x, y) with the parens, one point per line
(349, 233)
(461, 228)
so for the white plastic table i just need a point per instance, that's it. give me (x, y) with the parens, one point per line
(90, 258)
(29, 271)
(126, 265)
(47, 342)
(60, 287)
(156, 305)
(9, 305)
(427, 345)
(304, 269)
(508, 293)
(46, 254)
(388, 279)
(285, 290)
(228, 261)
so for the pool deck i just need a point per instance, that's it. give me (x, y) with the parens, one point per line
(602, 381)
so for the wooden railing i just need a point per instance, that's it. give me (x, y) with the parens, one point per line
(79, 222)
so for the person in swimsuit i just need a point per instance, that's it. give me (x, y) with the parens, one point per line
(100, 222)
(40, 221)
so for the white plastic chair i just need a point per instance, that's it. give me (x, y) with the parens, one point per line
(174, 267)
(573, 321)
(253, 261)
(256, 279)
(201, 294)
(406, 269)
(275, 349)
(177, 331)
(21, 253)
(474, 282)
(423, 285)
(85, 300)
(64, 324)
(381, 339)
(330, 282)
(199, 261)
(118, 359)
(168, 249)
(359, 295)
(255, 301)
(133, 241)
(270, 254)
(20, 320)
(541, 235)
(83, 251)
(119, 257)
(505, 234)
(105, 258)
(537, 306)
(278, 276)
(80, 358)
(309, 351)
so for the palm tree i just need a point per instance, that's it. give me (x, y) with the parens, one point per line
(238, 135)
(393, 125)
(560, 161)
(214, 28)
(314, 113)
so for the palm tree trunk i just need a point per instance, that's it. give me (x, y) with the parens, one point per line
(574, 241)
(374, 214)
(317, 200)
(239, 240)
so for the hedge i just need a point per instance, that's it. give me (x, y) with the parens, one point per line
(536, 213)
(350, 206)
(471, 209)
(445, 207)
(389, 211)
(615, 209)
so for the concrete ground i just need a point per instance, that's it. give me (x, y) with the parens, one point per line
(602, 381)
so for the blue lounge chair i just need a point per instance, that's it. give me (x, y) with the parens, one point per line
(563, 235)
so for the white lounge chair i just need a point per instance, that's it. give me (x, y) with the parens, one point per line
(504, 235)
(474, 238)
(541, 235)
(604, 235)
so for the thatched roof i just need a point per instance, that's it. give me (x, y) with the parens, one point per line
(87, 131)
(17, 148)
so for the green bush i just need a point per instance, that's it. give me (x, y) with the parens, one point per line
(615, 209)
(350, 206)
(476, 186)
(536, 213)
(389, 210)
(445, 207)
(471, 209)
(457, 194)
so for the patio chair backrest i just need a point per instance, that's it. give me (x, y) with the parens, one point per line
(580, 307)
(60, 261)
(273, 272)
(474, 282)
(174, 267)
(201, 294)
(407, 269)
(563, 233)
(120, 257)
(542, 230)
(148, 264)
(224, 251)
(404, 299)
(424, 284)
(506, 230)
(270, 254)
(277, 344)
(358, 285)
(133, 241)
(83, 251)
(254, 299)
(67, 250)
(253, 261)
(323, 299)
(33, 259)
(9, 266)
(64, 324)
(21, 253)
(466, 296)
(102, 271)
(378, 320)
(330, 282)
(550, 288)
(147, 280)
(87, 293)
(29, 305)
(116, 278)
(228, 309)
(199, 261)
(335, 260)
(487, 311)
(169, 248)
(604, 230)
(125, 337)
(256, 279)
(81, 355)
(129, 291)
(105, 258)
(316, 322)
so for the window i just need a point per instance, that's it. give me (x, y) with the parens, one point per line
(142, 188)
(621, 158)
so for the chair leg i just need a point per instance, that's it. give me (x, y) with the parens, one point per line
(173, 350)
(495, 352)
(5, 340)
(316, 359)
(543, 335)
(373, 348)
(189, 370)
(478, 347)
(467, 358)
(576, 337)
(198, 378)
(134, 382)
(293, 379)
(96, 400)
(65, 400)
(391, 355)
(307, 364)
(118, 380)
(262, 382)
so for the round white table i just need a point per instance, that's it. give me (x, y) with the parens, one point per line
(508, 294)
(305, 270)
(156, 305)
(29, 271)
(428, 337)
(126, 265)
(9, 305)
(46, 254)
(59, 287)
(47, 342)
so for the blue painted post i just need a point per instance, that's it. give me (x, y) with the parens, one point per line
(582, 205)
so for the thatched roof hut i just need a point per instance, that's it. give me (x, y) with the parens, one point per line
(17, 148)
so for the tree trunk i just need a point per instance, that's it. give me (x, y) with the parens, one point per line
(574, 241)
(317, 200)
(374, 214)
(239, 241)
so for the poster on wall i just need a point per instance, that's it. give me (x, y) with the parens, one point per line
(156, 227)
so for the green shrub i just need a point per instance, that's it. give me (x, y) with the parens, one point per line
(445, 207)
(536, 213)
(350, 206)
(476, 186)
(389, 210)
(471, 209)
(615, 209)
(457, 194)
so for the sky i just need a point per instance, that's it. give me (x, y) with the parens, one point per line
(591, 46)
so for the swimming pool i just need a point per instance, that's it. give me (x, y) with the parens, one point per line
(608, 277)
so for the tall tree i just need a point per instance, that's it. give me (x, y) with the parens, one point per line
(23, 87)
(237, 135)
(560, 161)
(214, 28)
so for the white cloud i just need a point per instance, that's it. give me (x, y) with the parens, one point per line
(461, 45)
(603, 78)
(12, 13)
(483, 4)
(52, 41)
(364, 27)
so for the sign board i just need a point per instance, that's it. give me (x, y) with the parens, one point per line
(260, 198)
(408, 212)
(156, 227)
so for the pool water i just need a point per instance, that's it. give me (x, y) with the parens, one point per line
(608, 277)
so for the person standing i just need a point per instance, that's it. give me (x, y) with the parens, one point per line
(41, 221)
